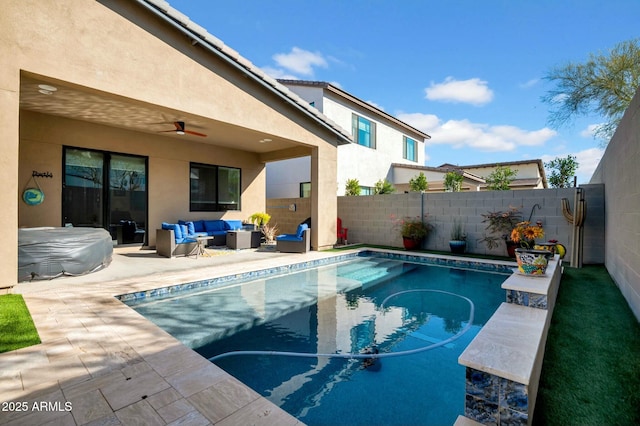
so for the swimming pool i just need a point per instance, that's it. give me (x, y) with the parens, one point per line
(346, 307)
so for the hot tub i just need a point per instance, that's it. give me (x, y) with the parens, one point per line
(47, 253)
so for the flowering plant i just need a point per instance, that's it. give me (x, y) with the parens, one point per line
(500, 223)
(525, 233)
(415, 228)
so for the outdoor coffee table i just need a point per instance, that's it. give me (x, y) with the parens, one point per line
(241, 239)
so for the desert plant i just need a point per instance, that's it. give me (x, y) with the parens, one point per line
(453, 181)
(269, 232)
(352, 187)
(501, 178)
(383, 186)
(260, 218)
(415, 228)
(419, 183)
(499, 225)
(457, 231)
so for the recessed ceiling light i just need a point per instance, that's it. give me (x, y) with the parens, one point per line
(46, 89)
(264, 140)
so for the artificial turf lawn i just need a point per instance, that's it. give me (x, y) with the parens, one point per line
(16, 326)
(591, 369)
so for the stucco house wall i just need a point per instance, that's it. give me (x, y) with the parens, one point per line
(141, 67)
(619, 172)
(368, 165)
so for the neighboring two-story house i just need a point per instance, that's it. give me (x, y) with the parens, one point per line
(380, 143)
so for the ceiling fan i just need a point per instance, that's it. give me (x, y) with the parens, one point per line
(180, 130)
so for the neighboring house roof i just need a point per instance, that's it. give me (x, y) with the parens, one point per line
(520, 182)
(331, 88)
(528, 182)
(200, 35)
(442, 169)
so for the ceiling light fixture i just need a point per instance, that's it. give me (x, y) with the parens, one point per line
(264, 140)
(46, 89)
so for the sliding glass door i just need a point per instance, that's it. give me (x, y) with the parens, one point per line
(107, 190)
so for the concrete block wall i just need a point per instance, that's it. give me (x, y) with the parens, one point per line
(287, 213)
(619, 172)
(369, 218)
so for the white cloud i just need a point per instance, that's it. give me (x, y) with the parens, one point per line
(588, 160)
(530, 83)
(279, 73)
(483, 137)
(473, 91)
(300, 61)
(590, 130)
(373, 104)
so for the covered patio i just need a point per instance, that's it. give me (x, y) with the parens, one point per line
(132, 118)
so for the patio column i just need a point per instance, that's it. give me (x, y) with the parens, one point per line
(9, 144)
(324, 200)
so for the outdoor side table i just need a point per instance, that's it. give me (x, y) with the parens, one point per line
(256, 239)
(237, 240)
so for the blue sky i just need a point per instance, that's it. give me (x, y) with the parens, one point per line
(469, 73)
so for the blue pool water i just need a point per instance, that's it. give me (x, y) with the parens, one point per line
(337, 309)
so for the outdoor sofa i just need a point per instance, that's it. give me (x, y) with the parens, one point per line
(180, 239)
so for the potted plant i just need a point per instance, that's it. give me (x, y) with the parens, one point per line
(260, 219)
(413, 230)
(499, 227)
(269, 232)
(458, 241)
(530, 261)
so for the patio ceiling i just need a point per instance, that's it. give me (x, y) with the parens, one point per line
(80, 103)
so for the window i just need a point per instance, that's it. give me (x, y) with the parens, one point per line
(367, 190)
(305, 189)
(364, 131)
(409, 149)
(214, 188)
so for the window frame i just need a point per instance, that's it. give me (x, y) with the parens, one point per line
(302, 189)
(405, 149)
(216, 205)
(356, 120)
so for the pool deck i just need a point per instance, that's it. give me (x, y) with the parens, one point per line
(100, 362)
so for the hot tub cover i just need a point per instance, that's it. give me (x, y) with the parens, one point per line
(46, 253)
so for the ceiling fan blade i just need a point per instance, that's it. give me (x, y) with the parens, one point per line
(194, 133)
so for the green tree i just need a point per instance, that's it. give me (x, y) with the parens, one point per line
(604, 85)
(419, 183)
(453, 181)
(561, 171)
(500, 179)
(352, 187)
(383, 187)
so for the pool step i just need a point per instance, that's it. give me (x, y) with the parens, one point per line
(374, 272)
(429, 339)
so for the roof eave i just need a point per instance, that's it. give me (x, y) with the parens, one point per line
(198, 34)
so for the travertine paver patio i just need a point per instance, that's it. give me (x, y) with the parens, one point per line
(100, 362)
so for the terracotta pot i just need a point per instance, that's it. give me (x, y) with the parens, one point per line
(411, 243)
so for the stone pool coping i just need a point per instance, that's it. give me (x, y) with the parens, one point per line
(504, 361)
(116, 367)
